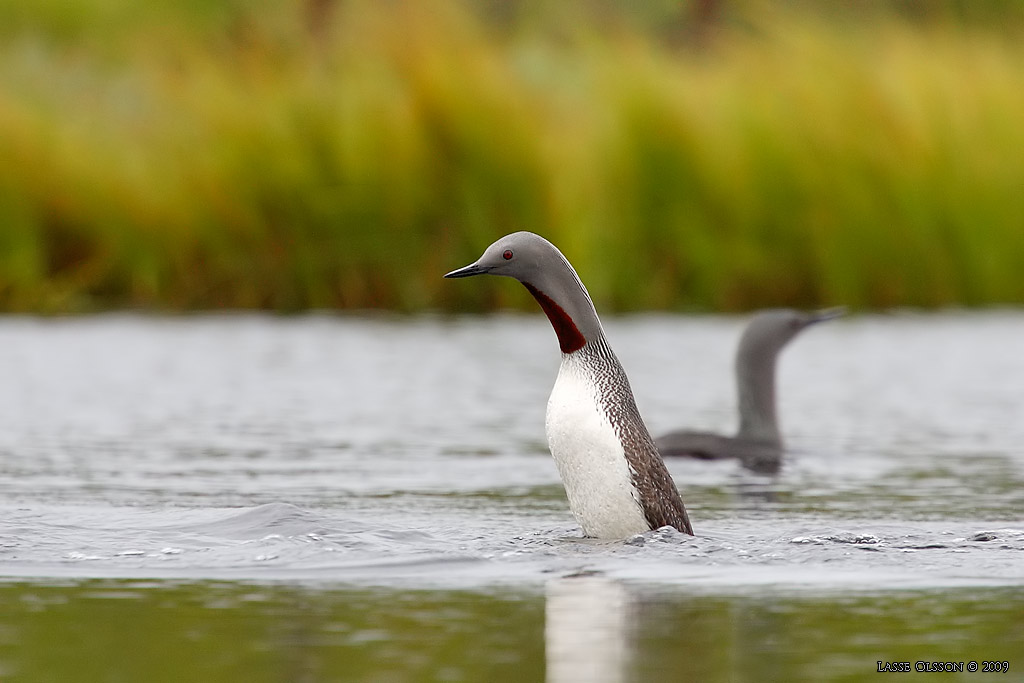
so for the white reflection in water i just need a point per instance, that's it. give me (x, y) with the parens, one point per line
(588, 623)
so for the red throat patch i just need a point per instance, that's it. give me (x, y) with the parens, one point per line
(569, 336)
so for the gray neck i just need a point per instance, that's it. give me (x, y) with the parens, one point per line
(755, 388)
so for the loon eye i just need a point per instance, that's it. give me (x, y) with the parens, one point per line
(507, 255)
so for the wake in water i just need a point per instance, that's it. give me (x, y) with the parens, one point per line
(278, 542)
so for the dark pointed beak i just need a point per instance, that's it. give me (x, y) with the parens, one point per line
(466, 271)
(826, 314)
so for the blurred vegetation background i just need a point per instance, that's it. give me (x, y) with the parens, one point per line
(701, 155)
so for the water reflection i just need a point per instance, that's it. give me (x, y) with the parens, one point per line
(600, 629)
(588, 623)
(593, 628)
(756, 492)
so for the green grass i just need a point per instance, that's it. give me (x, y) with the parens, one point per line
(187, 155)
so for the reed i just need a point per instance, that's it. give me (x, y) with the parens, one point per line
(345, 154)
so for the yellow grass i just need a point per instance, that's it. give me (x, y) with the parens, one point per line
(182, 157)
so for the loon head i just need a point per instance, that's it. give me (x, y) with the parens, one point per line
(549, 277)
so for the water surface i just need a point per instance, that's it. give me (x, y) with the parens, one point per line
(234, 484)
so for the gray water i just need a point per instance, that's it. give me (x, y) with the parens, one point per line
(383, 460)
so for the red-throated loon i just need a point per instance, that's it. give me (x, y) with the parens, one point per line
(614, 477)
(758, 443)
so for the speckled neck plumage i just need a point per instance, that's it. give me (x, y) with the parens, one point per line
(658, 496)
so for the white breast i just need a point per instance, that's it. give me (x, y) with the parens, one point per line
(590, 458)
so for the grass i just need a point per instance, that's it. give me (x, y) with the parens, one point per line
(186, 155)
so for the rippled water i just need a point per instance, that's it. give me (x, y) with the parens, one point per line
(255, 466)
